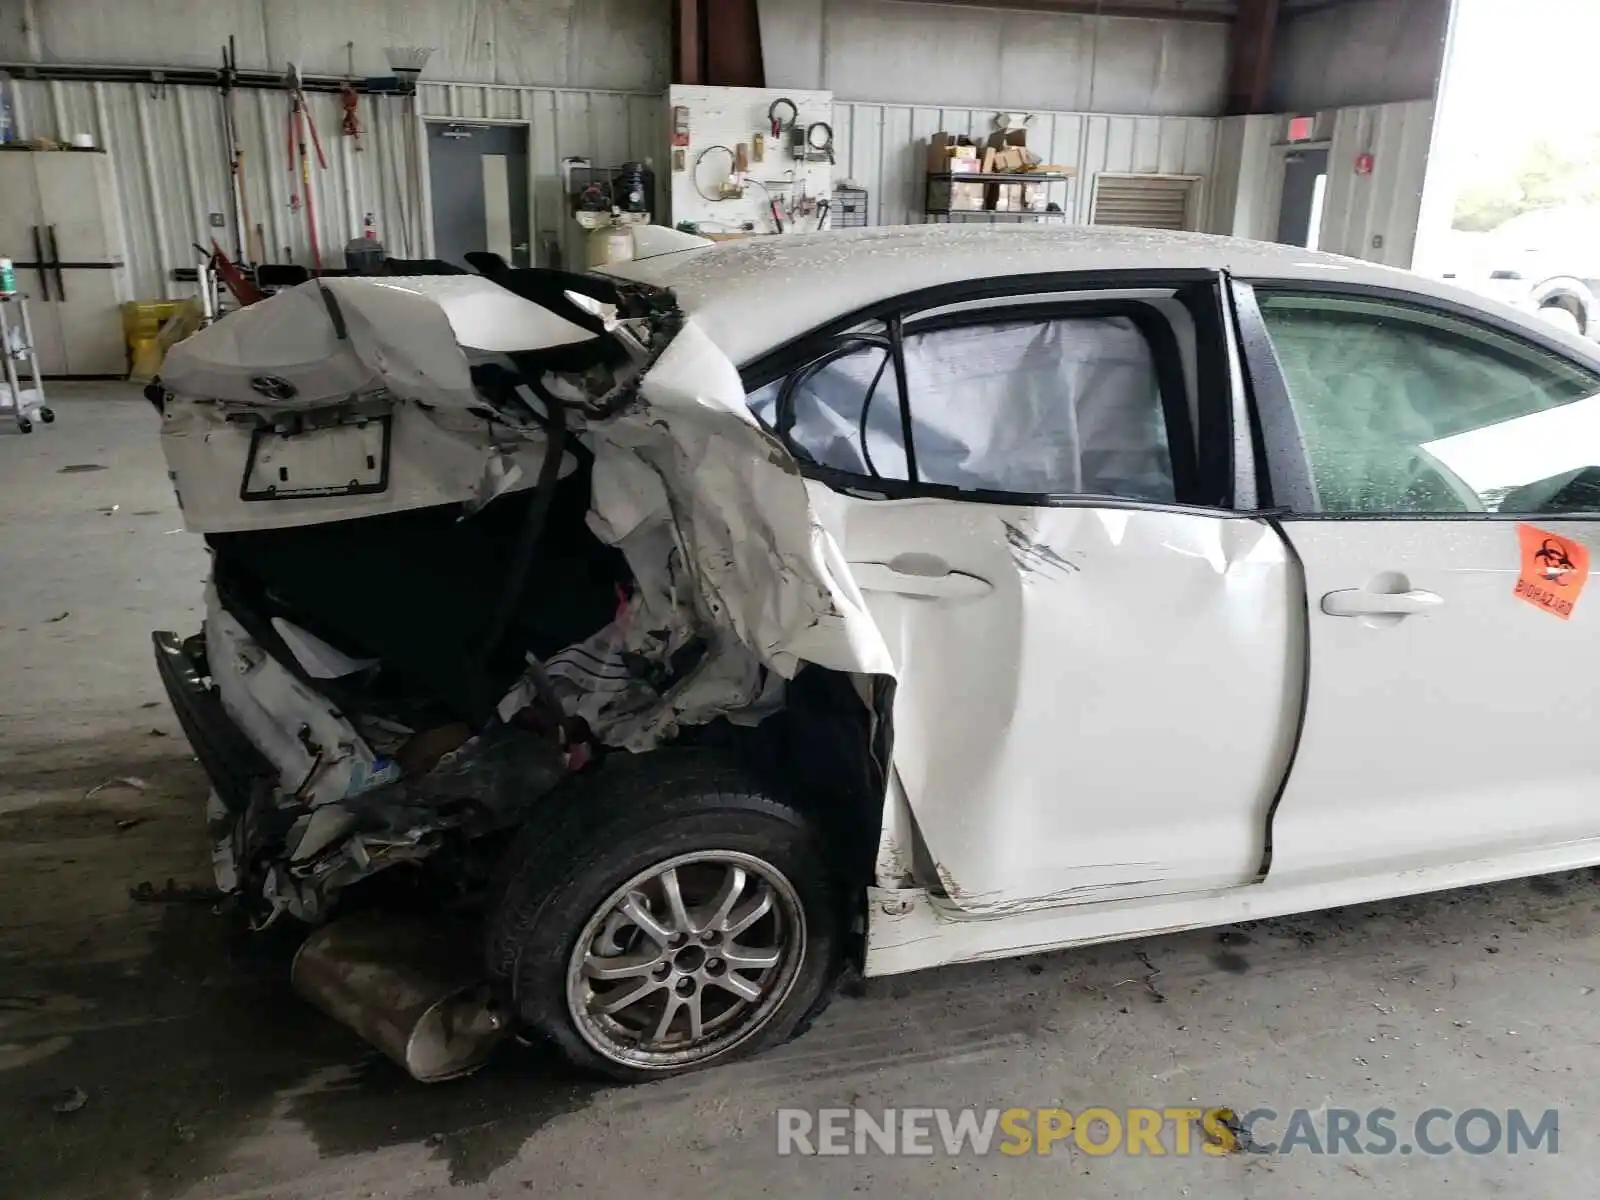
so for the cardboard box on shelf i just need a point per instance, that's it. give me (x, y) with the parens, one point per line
(946, 154)
(1011, 160)
(1019, 197)
(955, 197)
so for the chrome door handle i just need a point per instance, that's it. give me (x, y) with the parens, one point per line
(1357, 602)
(919, 575)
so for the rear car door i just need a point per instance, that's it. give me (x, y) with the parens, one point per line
(1099, 663)
(1440, 473)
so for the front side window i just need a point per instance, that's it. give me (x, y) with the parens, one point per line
(1405, 409)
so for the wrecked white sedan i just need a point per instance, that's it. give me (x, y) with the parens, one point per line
(906, 596)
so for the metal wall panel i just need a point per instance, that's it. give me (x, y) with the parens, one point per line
(568, 43)
(166, 145)
(167, 150)
(605, 127)
(953, 54)
(1375, 216)
(883, 148)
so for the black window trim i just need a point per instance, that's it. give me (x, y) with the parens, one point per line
(793, 359)
(1289, 477)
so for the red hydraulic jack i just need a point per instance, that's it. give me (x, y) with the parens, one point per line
(300, 120)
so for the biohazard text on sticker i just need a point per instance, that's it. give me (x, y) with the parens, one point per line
(1554, 570)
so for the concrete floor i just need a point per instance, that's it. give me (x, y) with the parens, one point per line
(205, 1077)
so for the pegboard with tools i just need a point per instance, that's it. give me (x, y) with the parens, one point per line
(750, 160)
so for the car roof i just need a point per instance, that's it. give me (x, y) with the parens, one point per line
(757, 293)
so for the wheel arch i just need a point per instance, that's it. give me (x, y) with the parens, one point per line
(1572, 295)
(829, 751)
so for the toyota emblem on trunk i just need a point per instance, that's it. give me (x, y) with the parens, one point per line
(274, 388)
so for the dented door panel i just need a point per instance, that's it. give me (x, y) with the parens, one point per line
(1112, 716)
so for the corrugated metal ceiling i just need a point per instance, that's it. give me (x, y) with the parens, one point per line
(1201, 10)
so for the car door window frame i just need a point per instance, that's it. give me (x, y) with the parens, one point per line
(1288, 487)
(1202, 455)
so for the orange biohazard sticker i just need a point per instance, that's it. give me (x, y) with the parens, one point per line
(1554, 570)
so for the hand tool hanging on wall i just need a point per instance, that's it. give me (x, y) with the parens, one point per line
(300, 120)
(239, 197)
(819, 150)
(779, 124)
(350, 99)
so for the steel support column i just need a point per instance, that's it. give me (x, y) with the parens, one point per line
(717, 42)
(1250, 56)
(688, 48)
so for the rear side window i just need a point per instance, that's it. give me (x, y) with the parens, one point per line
(842, 412)
(1059, 405)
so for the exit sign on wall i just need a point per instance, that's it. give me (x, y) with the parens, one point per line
(1301, 129)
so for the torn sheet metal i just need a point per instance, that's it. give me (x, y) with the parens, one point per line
(735, 577)
(764, 567)
(735, 585)
(319, 754)
(326, 340)
(349, 399)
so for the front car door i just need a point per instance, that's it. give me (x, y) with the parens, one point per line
(1100, 664)
(1439, 474)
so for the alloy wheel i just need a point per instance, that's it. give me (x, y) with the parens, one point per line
(686, 960)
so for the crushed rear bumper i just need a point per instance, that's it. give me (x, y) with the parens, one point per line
(233, 764)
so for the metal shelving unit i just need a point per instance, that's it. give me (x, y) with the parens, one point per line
(936, 212)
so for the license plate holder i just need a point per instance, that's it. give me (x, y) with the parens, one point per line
(345, 459)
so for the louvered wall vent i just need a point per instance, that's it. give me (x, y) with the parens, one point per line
(1146, 201)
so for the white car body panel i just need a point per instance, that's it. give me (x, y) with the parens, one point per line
(435, 457)
(753, 295)
(909, 930)
(1448, 735)
(405, 340)
(1111, 715)
(1096, 712)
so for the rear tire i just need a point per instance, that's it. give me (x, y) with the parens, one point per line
(682, 914)
(1562, 316)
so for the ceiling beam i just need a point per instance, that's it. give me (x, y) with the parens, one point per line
(1142, 10)
(1250, 56)
(717, 42)
(731, 34)
(688, 54)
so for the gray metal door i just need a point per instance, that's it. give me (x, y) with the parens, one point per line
(478, 177)
(1305, 174)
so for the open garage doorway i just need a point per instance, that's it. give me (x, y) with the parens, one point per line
(1512, 204)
